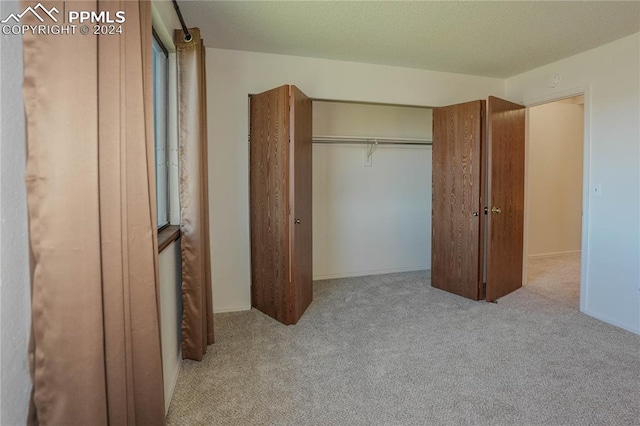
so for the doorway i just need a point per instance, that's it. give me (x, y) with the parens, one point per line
(554, 199)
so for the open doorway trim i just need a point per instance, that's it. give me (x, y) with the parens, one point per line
(586, 182)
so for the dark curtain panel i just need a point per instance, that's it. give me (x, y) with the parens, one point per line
(197, 317)
(95, 353)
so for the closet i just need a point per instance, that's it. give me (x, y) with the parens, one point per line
(476, 200)
(371, 189)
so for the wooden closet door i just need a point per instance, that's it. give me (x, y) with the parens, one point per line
(458, 138)
(301, 260)
(269, 174)
(506, 124)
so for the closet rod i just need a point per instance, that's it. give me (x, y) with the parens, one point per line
(369, 141)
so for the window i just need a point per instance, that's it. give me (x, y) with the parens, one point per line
(160, 108)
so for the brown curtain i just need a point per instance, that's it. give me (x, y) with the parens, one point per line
(95, 353)
(197, 314)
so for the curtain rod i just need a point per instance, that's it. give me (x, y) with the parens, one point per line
(187, 35)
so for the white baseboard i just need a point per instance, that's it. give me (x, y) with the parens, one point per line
(556, 253)
(370, 272)
(172, 388)
(604, 318)
(232, 309)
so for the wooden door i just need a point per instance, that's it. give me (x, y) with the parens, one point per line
(301, 260)
(506, 124)
(458, 138)
(269, 202)
(280, 203)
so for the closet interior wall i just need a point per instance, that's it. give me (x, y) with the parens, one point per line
(370, 219)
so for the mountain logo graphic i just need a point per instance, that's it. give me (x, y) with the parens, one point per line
(34, 11)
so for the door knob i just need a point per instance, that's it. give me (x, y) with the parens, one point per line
(296, 221)
(496, 210)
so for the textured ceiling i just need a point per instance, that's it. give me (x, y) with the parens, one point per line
(494, 39)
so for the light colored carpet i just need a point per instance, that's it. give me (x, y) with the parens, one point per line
(391, 350)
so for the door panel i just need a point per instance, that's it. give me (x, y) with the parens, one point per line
(458, 136)
(506, 124)
(301, 267)
(269, 202)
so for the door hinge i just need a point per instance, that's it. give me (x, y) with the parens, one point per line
(486, 210)
(484, 286)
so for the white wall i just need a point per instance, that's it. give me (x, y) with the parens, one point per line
(371, 120)
(233, 75)
(610, 76)
(554, 175)
(15, 384)
(370, 220)
(169, 269)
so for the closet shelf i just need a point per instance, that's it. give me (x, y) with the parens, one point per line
(367, 140)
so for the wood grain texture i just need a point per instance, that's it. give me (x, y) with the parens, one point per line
(455, 250)
(506, 127)
(301, 258)
(269, 202)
